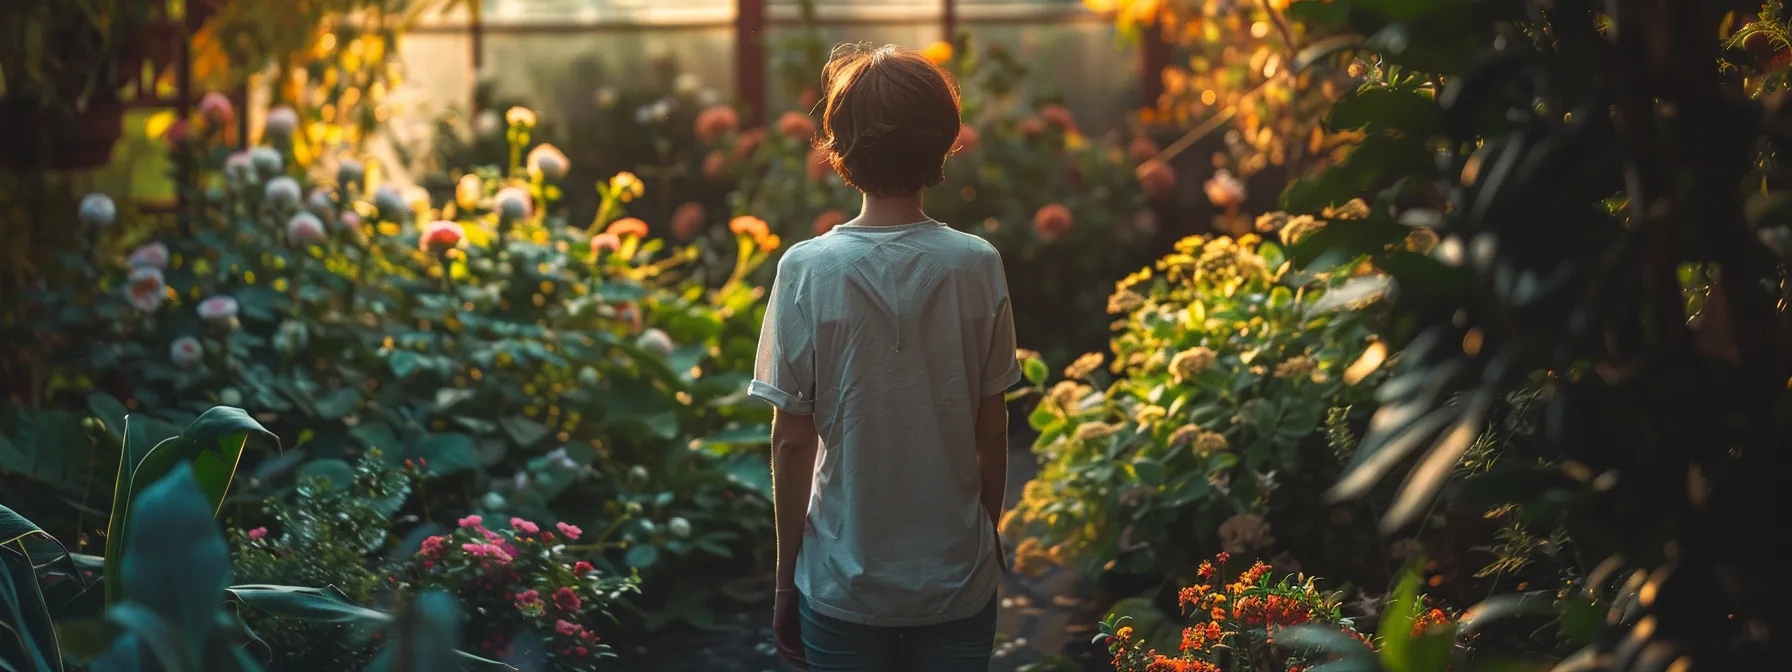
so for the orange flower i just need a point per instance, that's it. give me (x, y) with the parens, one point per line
(796, 126)
(938, 52)
(1194, 639)
(750, 226)
(686, 221)
(769, 242)
(828, 219)
(1218, 614)
(1125, 632)
(1052, 221)
(716, 121)
(627, 226)
(1206, 571)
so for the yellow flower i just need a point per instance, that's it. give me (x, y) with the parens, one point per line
(1124, 301)
(1191, 362)
(1125, 632)
(1067, 393)
(468, 191)
(1084, 365)
(1184, 435)
(1208, 443)
(938, 52)
(1149, 414)
(1090, 431)
(626, 186)
(520, 116)
(1295, 367)
(1297, 228)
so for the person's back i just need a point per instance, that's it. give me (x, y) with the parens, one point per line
(887, 345)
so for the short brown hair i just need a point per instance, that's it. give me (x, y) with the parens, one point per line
(891, 118)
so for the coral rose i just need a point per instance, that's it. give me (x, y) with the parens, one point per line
(1052, 221)
(627, 226)
(1158, 181)
(440, 236)
(605, 242)
(796, 126)
(687, 221)
(828, 219)
(716, 121)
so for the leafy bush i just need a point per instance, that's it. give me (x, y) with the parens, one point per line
(562, 371)
(1205, 427)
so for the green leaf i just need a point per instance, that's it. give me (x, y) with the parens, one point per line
(1185, 490)
(1387, 109)
(524, 431)
(1377, 161)
(1150, 472)
(110, 412)
(1344, 240)
(642, 556)
(753, 435)
(27, 636)
(423, 637)
(176, 569)
(213, 444)
(404, 362)
(1319, 13)
(339, 473)
(316, 605)
(337, 403)
(1035, 370)
(447, 453)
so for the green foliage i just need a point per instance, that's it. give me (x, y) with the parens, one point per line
(1225, 366)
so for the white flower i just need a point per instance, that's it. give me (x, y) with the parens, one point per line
(282, 121)
(304, 229)
(218, 309)
(687, 84)
(662, 108)
(283, 193)
(489, 122)
(588, 376)
(147, 288)
(390, 203)
(267, 161)
(152, 255)
(186, 352)
(350, 171)
(637, 473)
(238, 169)
(514, 203)
(547, 160)
(230, 396)
(97, 211)
(320, 203)
(655, 341)
(679, 527)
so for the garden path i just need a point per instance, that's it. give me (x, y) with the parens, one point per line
(1049, 616)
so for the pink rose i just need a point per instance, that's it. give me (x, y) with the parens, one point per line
(524, 526)
(567, 600)
(565, 628)
(471, 521)
(582, 568)
(257, 533)
(571, 531)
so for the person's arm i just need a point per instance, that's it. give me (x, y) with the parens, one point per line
(794, 444)
(992, 452)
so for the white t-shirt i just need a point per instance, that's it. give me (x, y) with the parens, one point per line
(889, 336)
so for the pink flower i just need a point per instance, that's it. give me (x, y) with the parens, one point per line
(716, 121)
(218, 309)
(605, 242)
(565, 628)
(527, 597)
(147, 289)
(1059, 116)
(796, 125)
(524, 526)
(1052, 221)
(177, 133)
(571, 531)
(186, 352)
(216, 109)
(351, 220)
(1224, 190)
(439, 236)
(819, 164)
(582, 568)
(475, 548)
(153, 255)
(257, 533)
(491, 536)
(305, 229)
(432, 545)
(567, 600)
(471, 521)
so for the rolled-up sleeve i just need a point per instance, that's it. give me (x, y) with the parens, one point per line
(784, 370)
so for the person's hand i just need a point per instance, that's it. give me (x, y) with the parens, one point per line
(787, 631)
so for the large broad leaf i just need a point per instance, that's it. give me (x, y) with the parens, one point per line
(424, 639)
(444, 453)
(317, 605)
(27, 637)
(175, 570)
(213, 444)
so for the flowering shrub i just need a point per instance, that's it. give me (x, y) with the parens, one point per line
(1258, 623)
(527, 587)
(1225, 366)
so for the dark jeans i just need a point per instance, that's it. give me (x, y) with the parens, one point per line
(833, 645)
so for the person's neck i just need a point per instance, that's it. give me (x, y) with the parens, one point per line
(891, 210)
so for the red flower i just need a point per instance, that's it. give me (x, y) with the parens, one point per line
(687, 220)
(796, 126)
(627, 226)
(1058, 116)
(1052, 221)
(565, 628)
(582, 568)
(177, 133)
(567, 600)
(471, 521)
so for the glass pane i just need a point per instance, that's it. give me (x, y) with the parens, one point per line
(498, 12)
